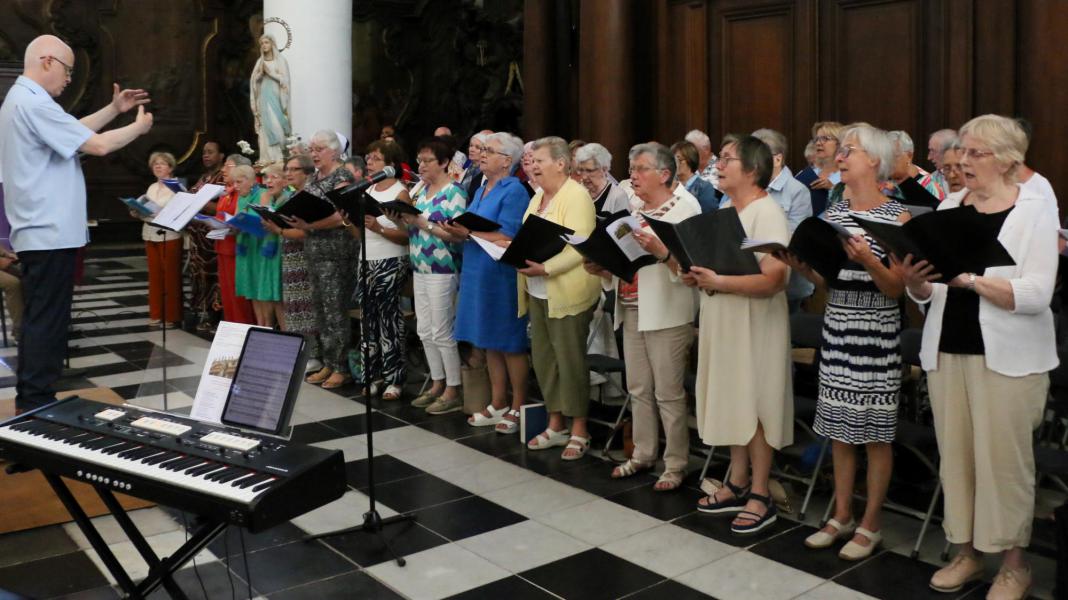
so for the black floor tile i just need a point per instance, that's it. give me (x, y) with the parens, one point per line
(669, 589)
(489, 442)
(665, 506)
(452, 425)
(546, 462)
(311, 433)
(34, 544)
(134, 300)
(400, 409)
(387, 469)
(979, 593)
(89, 315)
(109, 369)
(156, 361)
(188, 385)
(349, 585)
(891, 575)
(357, 424)
(465, 518)
(366, 549)
(216, 580)
(132, 350)
(513, 588)
(718, 527)
(418, 492)
(789, 549)
(592, 575)
(289, 565)
(147, 388)
(229, 544)
(595, 477)
(38, 579)
(72, 383)
(101, 593)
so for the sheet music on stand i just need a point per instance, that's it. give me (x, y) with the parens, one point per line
(183, 207)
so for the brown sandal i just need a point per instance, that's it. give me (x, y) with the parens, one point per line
(332, 383)
(319, 377)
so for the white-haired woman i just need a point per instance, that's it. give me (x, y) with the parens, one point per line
(329, 252)
(559, 296)
(593, 162)
(988, 345)
(487, 312)
(472, 177)
(269, 86)
(525, 175)
(235, 308)
(860, 357)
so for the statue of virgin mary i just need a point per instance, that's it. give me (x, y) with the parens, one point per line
(270, 101)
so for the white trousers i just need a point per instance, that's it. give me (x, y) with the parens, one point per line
(435, 314)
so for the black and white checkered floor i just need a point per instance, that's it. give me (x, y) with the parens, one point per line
(492, 519)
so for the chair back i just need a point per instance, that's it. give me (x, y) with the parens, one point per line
(806, 330)
(910, 346)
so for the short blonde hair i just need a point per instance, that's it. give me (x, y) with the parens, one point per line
(273, 169)
(831, 128)
(166, 157)
(243, 171)
(1005, 138)
(558, 149)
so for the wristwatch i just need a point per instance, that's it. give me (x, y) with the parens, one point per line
(971, 281)
(664, 260)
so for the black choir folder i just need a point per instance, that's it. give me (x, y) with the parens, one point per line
(475, 222)
(816, 242)
(537, 240)
(307, 206)
(711, 240)
(956, 240)
(612, 246)
(268, 214)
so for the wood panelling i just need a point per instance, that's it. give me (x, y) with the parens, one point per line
(682, 72)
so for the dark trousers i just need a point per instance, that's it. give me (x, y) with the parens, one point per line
(47, 290)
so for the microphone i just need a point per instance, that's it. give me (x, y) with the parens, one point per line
(359, 186)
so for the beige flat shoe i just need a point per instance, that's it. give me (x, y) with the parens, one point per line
(821, 539)
(854, 551)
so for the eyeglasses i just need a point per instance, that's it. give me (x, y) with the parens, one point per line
(489, 150)
(845, 151)
(824, 139)
(587, 171)
(478, 148)
(640, 169)
(973, 153)
(426, 160)
(947, 169)
(374, 158)
(724, 160)
(67, 69)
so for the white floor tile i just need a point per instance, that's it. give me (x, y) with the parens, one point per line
(125, 285)
(409, 437)
(746, 576)
(833, 591)
(354, 446)
(669, 550)
(344, 512)
(524, 546)
(146, 376)
(150, 521)
(164, 544)
(487, 476)
(114, 277)
(438, 573)
(539, 496)
(155, 401)
(103, 304)
(439, 457)
(95, 360)
(598, 522)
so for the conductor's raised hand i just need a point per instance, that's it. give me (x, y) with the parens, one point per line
(124, 100)
(143, 120)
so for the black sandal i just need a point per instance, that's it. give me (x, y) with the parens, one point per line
(759, 522)
(734, 504)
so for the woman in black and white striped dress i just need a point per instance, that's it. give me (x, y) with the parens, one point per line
(860, 358)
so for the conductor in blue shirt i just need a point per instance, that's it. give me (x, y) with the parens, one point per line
(45, 200)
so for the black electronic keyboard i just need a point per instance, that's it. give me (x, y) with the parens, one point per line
(225, 475)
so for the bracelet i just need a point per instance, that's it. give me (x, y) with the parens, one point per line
(345, 223)
(971, 281)
(665, 259)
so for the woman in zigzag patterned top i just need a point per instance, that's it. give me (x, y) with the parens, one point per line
(860, 355)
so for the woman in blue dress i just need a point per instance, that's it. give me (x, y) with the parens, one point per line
(486, 314)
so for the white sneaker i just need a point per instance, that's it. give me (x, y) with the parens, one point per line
(314, 365)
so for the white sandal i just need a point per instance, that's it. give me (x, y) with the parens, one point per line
(480, 420)
(577, 443)
(548, 439)
(508, 426)
(822, 539)
(854, 551)
(629, 468)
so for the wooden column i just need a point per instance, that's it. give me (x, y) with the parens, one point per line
(607, 77)
(538, 52)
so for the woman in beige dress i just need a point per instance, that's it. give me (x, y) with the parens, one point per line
(744, 387)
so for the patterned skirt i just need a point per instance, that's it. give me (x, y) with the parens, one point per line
(202, 272)
(860, 368)
(297, 295)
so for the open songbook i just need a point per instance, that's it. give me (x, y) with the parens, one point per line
(711, 240)
(268, 214)
(173, 185)
(955, 241)
(816, 242)
(141, 205)
(537, 240)
(242, 222)
(183, 206)
(613, 246)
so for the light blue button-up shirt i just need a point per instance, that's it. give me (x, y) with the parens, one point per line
(44, 189)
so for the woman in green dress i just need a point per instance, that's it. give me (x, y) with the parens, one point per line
(259, 260)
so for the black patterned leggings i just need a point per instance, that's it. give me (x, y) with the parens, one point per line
(329, 256)
(382, 318)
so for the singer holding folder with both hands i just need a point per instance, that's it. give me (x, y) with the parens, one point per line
(656, 312)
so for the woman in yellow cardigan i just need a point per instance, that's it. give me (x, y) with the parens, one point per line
(560, 296)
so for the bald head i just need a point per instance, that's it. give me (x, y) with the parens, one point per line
(49, 62)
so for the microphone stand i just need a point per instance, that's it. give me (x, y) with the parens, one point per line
(372, 521)
(162, 233)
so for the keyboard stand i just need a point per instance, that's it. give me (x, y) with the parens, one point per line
(161, 571)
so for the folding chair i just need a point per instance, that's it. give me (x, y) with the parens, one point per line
(606, 366)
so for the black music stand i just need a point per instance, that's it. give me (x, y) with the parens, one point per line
(372, 521)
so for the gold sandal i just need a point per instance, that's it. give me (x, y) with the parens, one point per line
(319, 377)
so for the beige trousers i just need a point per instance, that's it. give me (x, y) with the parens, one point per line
(656, 367)
(984, 422)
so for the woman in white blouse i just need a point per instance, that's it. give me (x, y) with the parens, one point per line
(163, 249)
(988, 345)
